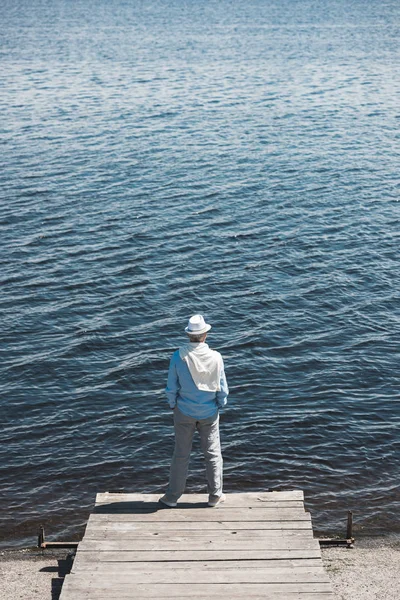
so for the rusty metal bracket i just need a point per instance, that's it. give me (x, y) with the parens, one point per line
(43, 544)
(348, 542)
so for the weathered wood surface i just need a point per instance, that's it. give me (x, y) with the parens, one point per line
(133, 520)
(227, 576)
(247, 499)
(81, 561)
(208, 555)
(196, 544)
(255, 545)
(113, 591)
(114, 530)
(205, 514)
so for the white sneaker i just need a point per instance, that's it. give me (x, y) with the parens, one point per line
(170, 503)
(215, 500)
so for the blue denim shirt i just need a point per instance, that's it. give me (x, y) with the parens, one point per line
(182, 392)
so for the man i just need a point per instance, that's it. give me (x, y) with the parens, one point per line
(196, 390)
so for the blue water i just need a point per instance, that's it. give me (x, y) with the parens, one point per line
(162, 158)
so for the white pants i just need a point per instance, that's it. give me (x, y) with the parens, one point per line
(210, 444)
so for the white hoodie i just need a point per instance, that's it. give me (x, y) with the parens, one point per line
(204, 364)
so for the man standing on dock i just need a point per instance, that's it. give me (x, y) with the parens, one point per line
(196, 390)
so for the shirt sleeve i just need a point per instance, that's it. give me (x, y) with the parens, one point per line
(173, 386)
(222, 395)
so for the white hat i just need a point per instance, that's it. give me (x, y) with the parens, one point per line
(197, 325)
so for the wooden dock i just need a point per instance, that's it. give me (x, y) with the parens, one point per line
(254, 545)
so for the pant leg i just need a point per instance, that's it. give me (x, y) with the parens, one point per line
(184, 430)
(211, 446)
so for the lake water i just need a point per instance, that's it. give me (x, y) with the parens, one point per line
(163, 158)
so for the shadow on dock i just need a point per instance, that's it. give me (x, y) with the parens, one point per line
(138, 507)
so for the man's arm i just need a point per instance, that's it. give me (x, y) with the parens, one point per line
(222, 395)
(173, 386)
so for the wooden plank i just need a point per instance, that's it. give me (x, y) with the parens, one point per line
(133, 522)
(155, 530)
(195, 544)
(218, 514)
(121, 533)
(208, 537)
(229, 594)
(235, 498)
(274, 595)
(210, 590)
(217, 595)
(177, 555)
(82, 563)
(217, 576)
(204, 504)
(244, 574)
(202, 509)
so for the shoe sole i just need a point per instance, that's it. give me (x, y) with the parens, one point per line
(217, 503)
(168, 505)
